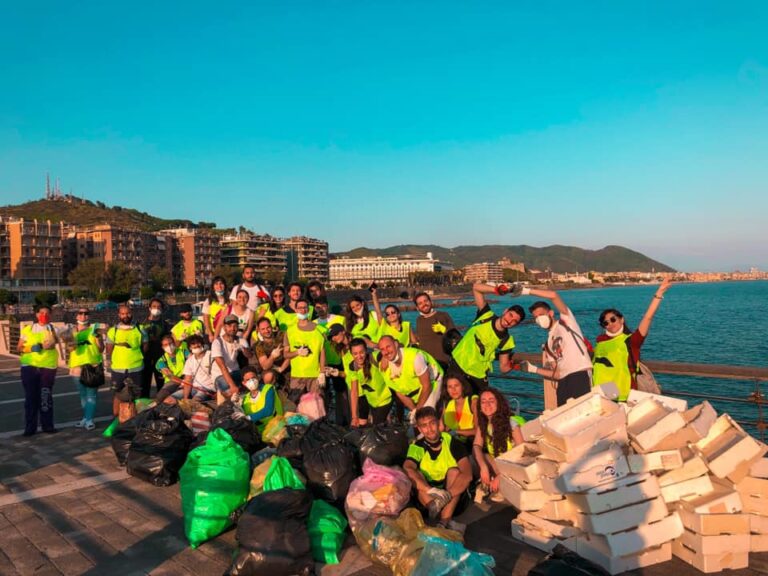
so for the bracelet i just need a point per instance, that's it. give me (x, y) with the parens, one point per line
(658, 297)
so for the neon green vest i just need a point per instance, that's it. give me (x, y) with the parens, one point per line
(468, 354)
(307, 366)
(181, 331)
(404, 336)
(332, 357)
(616, 353)
(435, 470)
(285, 319)
(408, 383)
(371, 331)
(86, 351)
(42, 359)
(126, 358)
(252, 405)
(510, 444)
(213, 310)
(375, 390)
(467, 420)
(175, 364)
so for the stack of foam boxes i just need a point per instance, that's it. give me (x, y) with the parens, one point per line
(630, 485)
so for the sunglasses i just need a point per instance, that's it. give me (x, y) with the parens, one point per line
(391, 313)
(82, 313)
(605, 322)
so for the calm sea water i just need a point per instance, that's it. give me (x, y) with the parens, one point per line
(717, 323)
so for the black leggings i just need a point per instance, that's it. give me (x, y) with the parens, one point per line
(378, 415)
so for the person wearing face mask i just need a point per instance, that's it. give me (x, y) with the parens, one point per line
(286, 316)
(392, 323)
(617, 351)
(155, 327)
(370, 399)
(171, 363)
(88, 346)
(257, 293)
(198, 373)
(260, 402)
(126, 344)
(214, 307)
(431, 327)
(566, 351)
(186, 327)
(304, 347)
(39, 359)
(360, 322)
(224, 351)
(486, 339)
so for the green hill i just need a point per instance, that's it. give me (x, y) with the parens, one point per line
(84, 212)
(557, 258)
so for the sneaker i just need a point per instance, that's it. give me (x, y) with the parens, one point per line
(51, 431)
(497, 497)
(81, 424)
(440, 499)
(90, 425)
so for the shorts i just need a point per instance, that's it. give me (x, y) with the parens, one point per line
(573, 385)
(127, 385)
(223, 386)
(378, 415)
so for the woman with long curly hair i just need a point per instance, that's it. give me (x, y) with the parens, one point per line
(497, 432)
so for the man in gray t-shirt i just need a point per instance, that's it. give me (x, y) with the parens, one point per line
(431, 327)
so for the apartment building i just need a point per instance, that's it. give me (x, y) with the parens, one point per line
(31, 254)
(483, 272)
(396, 269)
(196, 254)
(262, 251)
(306, 258)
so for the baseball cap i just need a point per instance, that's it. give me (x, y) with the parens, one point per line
(230, 318)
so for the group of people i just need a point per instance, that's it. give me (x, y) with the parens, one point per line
(268, 349)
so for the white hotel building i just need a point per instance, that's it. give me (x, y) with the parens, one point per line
(381, 269)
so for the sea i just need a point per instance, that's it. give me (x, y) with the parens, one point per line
(705, 323)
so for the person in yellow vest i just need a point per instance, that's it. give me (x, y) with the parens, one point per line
(260, 402)
(126, 344)
(460, 413)
(391, 321)
(498, 432)
(360, 322)
(332, 325)
(617, 352)
(88, 346)
(439, 468)
(370, 399)
(486, 339)
(215, 308)
(171, 364)
(39, 359)
(304, 346)
(414, 377)
(186, 327)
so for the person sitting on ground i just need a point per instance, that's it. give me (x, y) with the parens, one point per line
(171, 363)
(617, 352)
(497, 432)
(439, 468)
(460, 414)
(224, 351)
(567, 353)
(186, 327)
(391, 321)
(487, 338)
(267, 345)
(260, 402)
(370, 399)
(198, 372)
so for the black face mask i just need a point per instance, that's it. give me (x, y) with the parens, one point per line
(127, 320)
(434, 444)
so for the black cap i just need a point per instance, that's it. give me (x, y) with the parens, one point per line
(185, 308)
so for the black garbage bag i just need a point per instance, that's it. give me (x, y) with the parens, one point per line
(231, 418)
(272, 535)
(160, 447)
(123, 436)
(290, 448)
(320, 433)
(564, 562)
(330, 470)
(385, 444)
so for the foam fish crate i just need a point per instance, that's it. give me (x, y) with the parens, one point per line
(557, 511)
(636, 396)
(692, 488)
(520, 463)
(758, 526)
(648, 535)
(532, 536)
(550, 452)
(691, 468)
(577, 426)
(754, 495)
(714, 524)
(722, 500)
(622, 518)
(593, 469)
(531, 430)
(562, 530)
(628, 490)
(649, 422)
(655, 461)
(595, 549)
(759, 468)
(713, 553)
(522, 499)
(728, 449)
(698, 422)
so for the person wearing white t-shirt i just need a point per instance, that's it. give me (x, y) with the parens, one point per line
(566, 351)
(225, 370)
(256, 292)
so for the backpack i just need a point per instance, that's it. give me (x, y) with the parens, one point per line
(579, 339)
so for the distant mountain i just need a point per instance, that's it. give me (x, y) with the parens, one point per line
(557, 258)
(73, 210)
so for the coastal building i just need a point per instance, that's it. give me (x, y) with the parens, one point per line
(262, 251)
(483, 272)
(31, 255)
(306, 259)
(196, 254)
(382, 269)
(507, 264)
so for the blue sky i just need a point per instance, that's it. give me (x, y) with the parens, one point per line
(381, 123)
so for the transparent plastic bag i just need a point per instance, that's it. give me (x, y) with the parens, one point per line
(445, 558)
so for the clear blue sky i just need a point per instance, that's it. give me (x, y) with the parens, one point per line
(643, 124)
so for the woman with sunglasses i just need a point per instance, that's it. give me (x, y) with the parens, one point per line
(391, 322)
(617, 351)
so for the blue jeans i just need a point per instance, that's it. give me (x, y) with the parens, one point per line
(222, 385)
(88, 401)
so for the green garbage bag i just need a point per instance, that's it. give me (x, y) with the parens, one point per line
(327, 528)
(281, 475)
(111, 428)
(214, 483)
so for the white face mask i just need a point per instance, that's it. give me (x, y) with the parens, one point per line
(252, 384)
(155, 312)
(359, 313)
(196, 351)
(219, 292)
(544, 321)
(301, 316)
(82, 322)
(169, 349)
(612, 334)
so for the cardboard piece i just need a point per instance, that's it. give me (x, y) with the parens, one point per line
(646, 536)
(650, 421)
(711, 563)
(577, 426)
(520, 463)
(727, 446)
(714, 524)
(694, 487)
(622, 518)
(654, 461)
(636, 396)
(595, 549)
(628, 490)
(522, 499)
(691, 468)
(698, 421)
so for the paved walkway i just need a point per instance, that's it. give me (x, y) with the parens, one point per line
(66, 508)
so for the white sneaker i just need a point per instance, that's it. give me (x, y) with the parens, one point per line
(89, 425)
(81, 424)
(497, 497)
